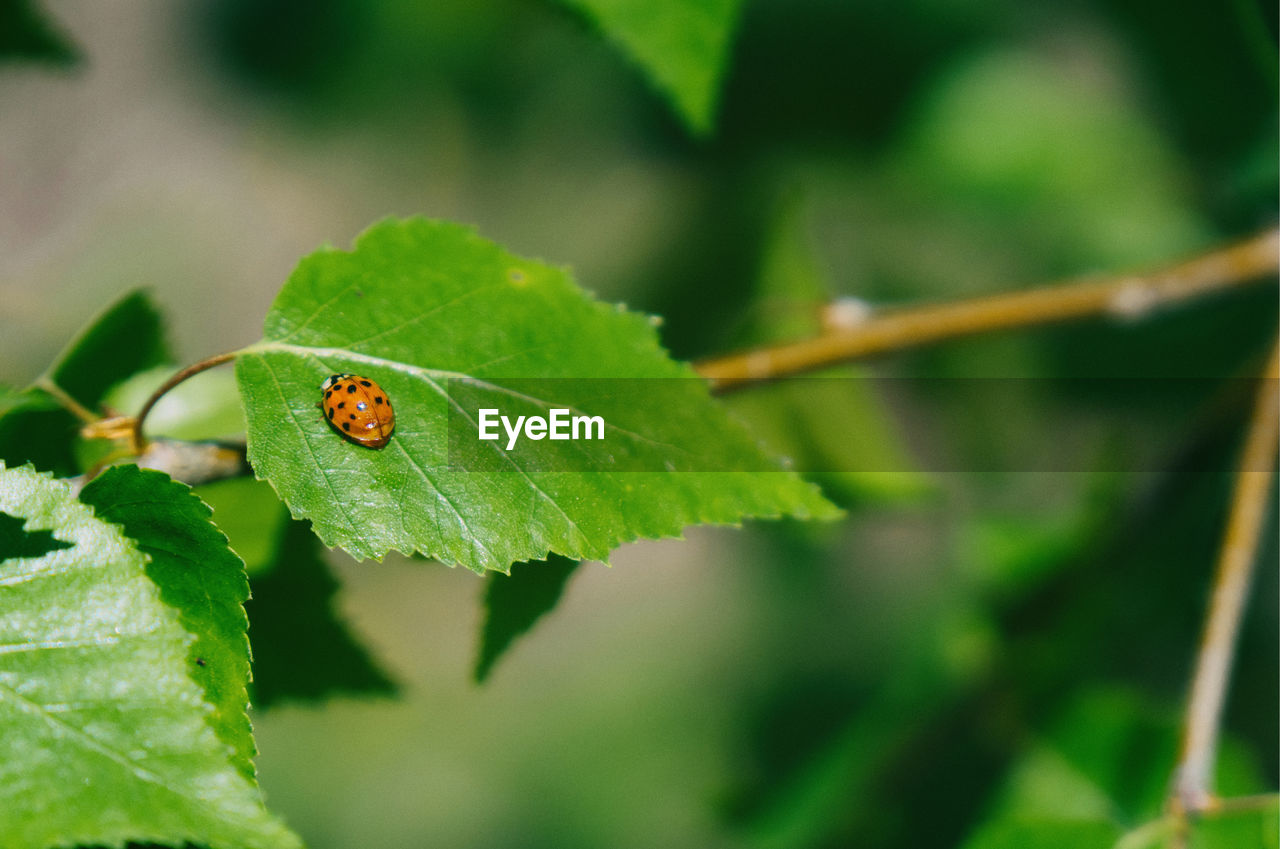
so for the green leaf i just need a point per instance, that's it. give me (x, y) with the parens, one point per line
(1108, 760)
(249, 512)
(9, 398)
(514, 602)
(303, 650)
(792, 287)
(104, 736)
(206, 406)
(421, 307)
(683, 45)
(125, 338)
(25, 34)
(833, 427)
(1122, 746)
(199, 576)
(837, 786)
(16, 542)
(1009, 553)
(835, 430)
(1046, 834)
(1258, 827)
(1255, 828)
(35, 430)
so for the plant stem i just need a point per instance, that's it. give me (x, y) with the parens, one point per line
(68, 403)
(139, 442)
(1240, 804)
(1192, 789)
(1132, 296)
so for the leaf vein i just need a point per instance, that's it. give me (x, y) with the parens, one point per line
(293, 416)
(88, 740)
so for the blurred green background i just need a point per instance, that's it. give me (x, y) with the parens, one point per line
(887, 682)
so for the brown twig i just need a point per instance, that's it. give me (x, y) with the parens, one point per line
(138, 442)
(1127, 297)
(1192, 787)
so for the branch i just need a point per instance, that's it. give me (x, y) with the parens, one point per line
(138, 441)
(1129, 297)
(1191, 791)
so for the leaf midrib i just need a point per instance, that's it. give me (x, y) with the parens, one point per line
(431, 375)
(427, 376)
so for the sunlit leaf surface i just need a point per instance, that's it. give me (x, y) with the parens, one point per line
(446, 322)
(105, 735)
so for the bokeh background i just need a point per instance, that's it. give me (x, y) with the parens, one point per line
(874, 683)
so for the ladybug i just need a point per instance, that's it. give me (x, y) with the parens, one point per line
(358, 409)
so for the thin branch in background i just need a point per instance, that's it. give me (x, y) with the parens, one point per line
(139, 442)
(1192, 790)
(1129, 297)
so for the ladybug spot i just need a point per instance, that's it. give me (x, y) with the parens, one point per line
(362, 405)
(327, 394)
(342, 404)
(331, 412)
(362, 383)
(346, 426)
(378, 400)
(352, 417)
(351, 388)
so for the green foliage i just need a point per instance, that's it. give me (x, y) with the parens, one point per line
(251, 515)
(1258, 826)
(1047, 834)
(199, 576)
(106, 737)
(1063, 158)
(832, 426)
(303, 650)
(26, 34)
(125, 338)
(514, 602)
(1010, 553)
(896, 681)
(418, 303)
(34, 425)
(1103, 768)
(683, 45)
(206, 406)
(16, 542)
(838, 782)
(35, 430)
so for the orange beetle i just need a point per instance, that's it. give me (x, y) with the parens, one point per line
(358, 409)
